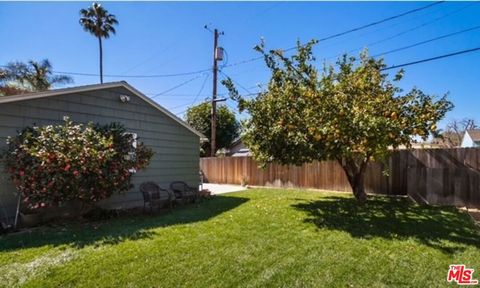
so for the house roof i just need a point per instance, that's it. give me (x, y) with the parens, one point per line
(474, 134)
(236, 142)
(85, 88)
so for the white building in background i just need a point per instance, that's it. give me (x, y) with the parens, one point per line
(471, 138)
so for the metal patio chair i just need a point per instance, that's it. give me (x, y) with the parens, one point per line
(154, 195)
(183, 192)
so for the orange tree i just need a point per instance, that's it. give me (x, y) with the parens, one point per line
(53, 164)
(351, 112)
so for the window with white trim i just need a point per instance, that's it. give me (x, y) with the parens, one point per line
(131, 156)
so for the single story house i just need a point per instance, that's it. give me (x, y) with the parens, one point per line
(176, 145)
(238, 149)
(471, 138)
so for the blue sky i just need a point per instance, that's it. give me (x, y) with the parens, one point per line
(168, 38)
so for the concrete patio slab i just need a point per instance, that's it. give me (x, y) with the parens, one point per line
(223, 188)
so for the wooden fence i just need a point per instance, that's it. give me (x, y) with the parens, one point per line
(435, 176)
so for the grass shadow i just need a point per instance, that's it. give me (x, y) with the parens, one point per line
(443, 228)
(117, 230)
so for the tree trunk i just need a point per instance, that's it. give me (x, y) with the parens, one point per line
(358, 187)
(101, 59)
(356, 175)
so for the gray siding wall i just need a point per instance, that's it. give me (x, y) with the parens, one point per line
(176, 148)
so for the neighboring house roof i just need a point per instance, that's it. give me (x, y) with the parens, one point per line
(474, 134)
(449, 139)
(237, 148)
(421, 145)
(78, 89)
(236, 142)
(242, 153)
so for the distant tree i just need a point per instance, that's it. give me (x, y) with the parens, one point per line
(351, 113)
(10, 90)
(453, 134)
(97, 21)
(19, 77)
(227, 125)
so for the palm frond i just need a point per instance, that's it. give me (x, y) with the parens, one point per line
(31, 76)
(60, 79)
(97, 21)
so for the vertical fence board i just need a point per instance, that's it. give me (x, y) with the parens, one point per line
(439, 176)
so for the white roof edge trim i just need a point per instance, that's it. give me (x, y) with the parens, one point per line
(29, 96)
(56, 92)
(162, 109)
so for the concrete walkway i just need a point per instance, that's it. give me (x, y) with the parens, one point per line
(223, 188)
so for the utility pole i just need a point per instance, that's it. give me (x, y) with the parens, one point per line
(217, 55)
(213, 138)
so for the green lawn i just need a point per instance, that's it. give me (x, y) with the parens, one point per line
(257, 238)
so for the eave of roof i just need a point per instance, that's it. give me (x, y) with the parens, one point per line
(78, 89)
(474, 134)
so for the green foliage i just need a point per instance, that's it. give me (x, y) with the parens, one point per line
(199, 117)
(351, 112)
(19, 77)
(50, 165)
(97, 21)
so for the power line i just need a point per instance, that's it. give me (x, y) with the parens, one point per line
(236, 82)
(134, 76)
(406, 31)
(385, 39)
(201, 89)
(183, 111)
(422, 25)
(177, 114)
(196, 97)
(422, 60)
(175, 87)
(248, 60)
(234, 109)
(347, 31)
(244, 61)
(427, 41)
(178, 106)
(418, 43)
(225, 56)
(151, 57)
(381, 28)
(396, 35)
(380, 21)
(374, 23)
(184, 95)
(432, 58)
(257, 86)
(155, 95)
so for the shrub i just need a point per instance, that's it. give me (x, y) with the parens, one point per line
(50, 165)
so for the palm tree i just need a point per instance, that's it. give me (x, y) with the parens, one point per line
(40, 77)
(19, 77)
(97, 21)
